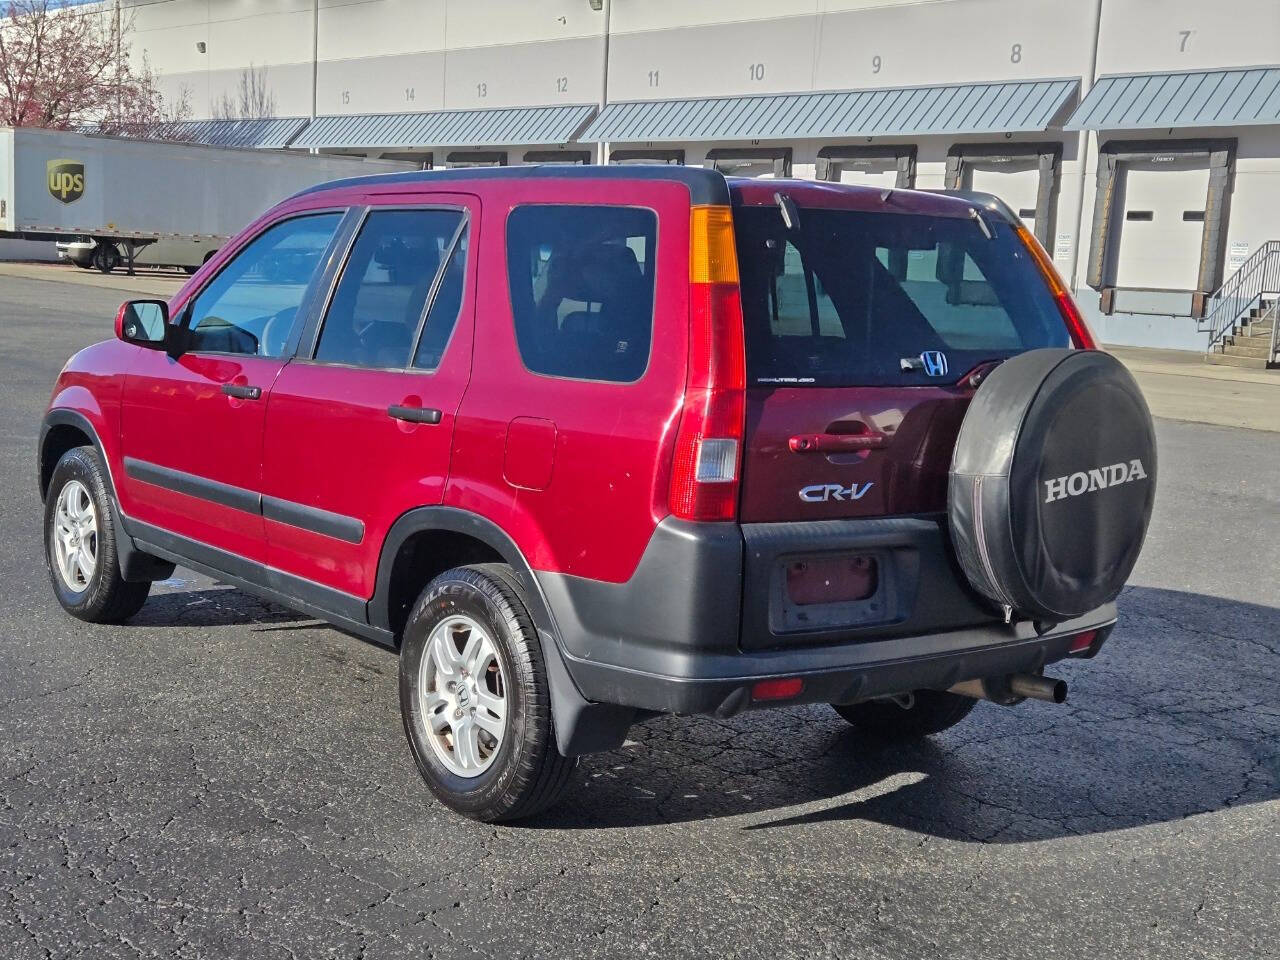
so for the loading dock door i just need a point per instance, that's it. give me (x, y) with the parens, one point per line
(758, 162)
(1017, 184)
(759, 169)
(882, 173)
(1162, 227)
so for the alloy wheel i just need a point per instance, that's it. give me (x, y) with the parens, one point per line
(463, 696)
(74, 536)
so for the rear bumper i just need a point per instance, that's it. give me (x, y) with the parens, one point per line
(692, 631)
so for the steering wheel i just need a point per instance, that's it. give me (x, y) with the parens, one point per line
(276, 331)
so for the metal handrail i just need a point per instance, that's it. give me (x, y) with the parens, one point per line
(1247, 287)
(1275, 327)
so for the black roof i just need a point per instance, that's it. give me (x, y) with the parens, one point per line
(705, 185)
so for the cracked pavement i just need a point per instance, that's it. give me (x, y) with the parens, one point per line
(223, 778)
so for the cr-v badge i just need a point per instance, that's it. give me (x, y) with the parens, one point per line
(822, 492)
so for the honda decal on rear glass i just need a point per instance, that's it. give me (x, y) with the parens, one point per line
(932, 362)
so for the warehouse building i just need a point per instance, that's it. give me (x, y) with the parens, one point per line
(1138, 139)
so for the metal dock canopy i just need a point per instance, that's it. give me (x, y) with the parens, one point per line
(1028, 106)
(508, 126)
(1206, 98)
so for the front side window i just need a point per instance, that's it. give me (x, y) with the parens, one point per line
(378, 307)
(582, 289)
(251, 305)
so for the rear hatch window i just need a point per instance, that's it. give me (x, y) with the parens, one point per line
(850, 298)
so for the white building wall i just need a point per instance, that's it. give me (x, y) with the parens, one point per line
(1149, 36)
(667, 49)
(417, 55)
(378, 56)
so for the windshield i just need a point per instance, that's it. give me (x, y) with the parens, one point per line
(848, 298)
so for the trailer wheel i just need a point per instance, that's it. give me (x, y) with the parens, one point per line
(106, 257)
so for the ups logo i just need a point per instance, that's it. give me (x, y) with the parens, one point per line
(66, 180)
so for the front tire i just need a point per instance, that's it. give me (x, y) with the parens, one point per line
(930, 712)
(80, 543)
(475, 700)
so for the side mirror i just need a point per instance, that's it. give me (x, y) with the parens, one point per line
(144, 323)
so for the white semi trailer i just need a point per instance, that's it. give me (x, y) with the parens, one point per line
(110, 198)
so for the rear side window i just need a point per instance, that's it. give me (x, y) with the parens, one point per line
(380, 302)
(582, 289)
(851, 298)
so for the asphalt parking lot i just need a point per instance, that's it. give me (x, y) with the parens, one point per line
(223, 778)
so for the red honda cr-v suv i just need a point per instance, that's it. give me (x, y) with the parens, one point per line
(589, 444)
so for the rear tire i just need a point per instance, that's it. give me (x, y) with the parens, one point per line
(475, 700)
(106, 257)
(80, 531)
(931, 712)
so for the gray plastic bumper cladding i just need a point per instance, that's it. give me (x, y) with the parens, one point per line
(690, 632)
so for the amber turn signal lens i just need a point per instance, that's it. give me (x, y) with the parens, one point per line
(713, 257)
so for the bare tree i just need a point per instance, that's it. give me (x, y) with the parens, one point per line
(66, 67)
(253, 99)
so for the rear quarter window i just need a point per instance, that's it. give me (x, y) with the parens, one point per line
(582, 287)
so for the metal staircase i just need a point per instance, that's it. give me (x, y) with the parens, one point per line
(1244, 314)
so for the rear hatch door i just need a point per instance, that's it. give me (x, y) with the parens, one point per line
(869, 320)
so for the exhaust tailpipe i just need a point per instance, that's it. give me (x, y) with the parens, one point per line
(1014, 688)
(1036, 687)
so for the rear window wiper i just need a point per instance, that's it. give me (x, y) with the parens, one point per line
(790, 212)
(982, 224)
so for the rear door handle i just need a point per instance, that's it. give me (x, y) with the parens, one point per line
(414, 414)
(838, 442)
(242, 391)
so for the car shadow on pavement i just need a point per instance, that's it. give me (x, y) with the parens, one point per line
(1178, 715)
(218, 606)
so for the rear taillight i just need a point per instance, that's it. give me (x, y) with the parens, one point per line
(1078, 327)
(708, 452)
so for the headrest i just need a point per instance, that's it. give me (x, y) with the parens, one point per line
(593, 273)
(408, 262)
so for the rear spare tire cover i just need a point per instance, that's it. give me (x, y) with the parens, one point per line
(1052, 483)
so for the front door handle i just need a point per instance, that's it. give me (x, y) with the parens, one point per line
(414, 414)
(241, 391)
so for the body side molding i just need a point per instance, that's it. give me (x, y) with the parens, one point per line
(188, 484)
(341, 609)
(312, 519)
